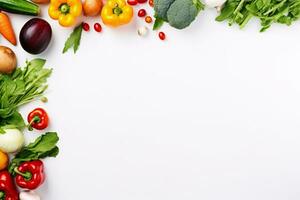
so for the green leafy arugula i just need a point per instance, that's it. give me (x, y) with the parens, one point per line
(74, 39)
(44, 146)
(268, 11)
(21, 87)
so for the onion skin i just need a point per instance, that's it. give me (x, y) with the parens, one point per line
(92, 7)
(8, 60)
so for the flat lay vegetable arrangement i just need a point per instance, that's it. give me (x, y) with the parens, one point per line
(21, 164)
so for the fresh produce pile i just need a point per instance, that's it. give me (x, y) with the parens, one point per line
(36, 34)
(21, 165)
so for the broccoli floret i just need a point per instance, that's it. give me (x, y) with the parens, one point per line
(183, 12)
(161, 7)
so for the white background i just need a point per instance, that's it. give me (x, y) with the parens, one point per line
(210, 114)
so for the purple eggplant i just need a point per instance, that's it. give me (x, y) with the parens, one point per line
(35, 36)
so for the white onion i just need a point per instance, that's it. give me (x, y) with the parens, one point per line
(11, 141)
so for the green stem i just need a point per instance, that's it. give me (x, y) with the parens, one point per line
(275, 7)
(2, 195)
(64, 8)
(117, 10)
(246, 20)
(198, 5)
(26, 175)
(36, 119)
(239, 7)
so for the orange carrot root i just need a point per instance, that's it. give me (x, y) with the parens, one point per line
(6, 29)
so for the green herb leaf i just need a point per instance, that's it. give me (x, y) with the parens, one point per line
(14, 121)
(21, 87)
(44, 146)
(267, 11)
(158, 23)
(74, 40)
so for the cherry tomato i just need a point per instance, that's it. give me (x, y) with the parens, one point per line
(151, 3)
(85, 26)
(142, 1)
(162, 35)
(148, 19)
(97, 27)
(132, 2)
(142, 13)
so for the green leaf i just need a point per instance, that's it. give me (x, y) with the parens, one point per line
(226, 12)
(74, 39)
(14, 121)
(43, 147)
(44, 143)
(21, 87)
(158, 23)
(2, 131)
(267, 11)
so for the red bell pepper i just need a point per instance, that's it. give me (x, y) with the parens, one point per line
(30, 175)
(8, 189)
(38, 119)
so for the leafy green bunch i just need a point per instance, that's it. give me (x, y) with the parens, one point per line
(44, 146)
(19, 88)
(178, 13)
(268, 11)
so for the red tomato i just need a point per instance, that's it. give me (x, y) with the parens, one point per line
(132, 2)
(142, 13)
(85, 26)
(151, 3)
(142, 1)
(97, 27)
(162, 35)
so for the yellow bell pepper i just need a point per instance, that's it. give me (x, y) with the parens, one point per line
(116, 13)
(65, 11)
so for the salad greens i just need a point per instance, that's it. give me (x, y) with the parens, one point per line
(178, 13)
(268, 11)
(44, 146)
(19, 88)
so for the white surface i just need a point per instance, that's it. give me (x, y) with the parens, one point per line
(212, 113)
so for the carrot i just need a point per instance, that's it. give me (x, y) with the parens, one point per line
(6, 29)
